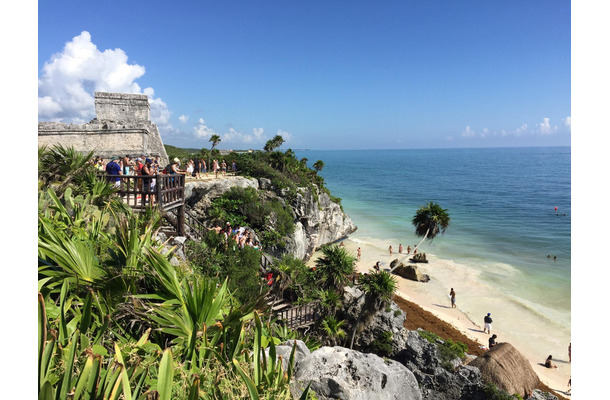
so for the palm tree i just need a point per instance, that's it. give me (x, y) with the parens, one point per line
(429, 221)
(335, 268)
(378, 288)
(215, 139)
(61, 165)
(318, 165)
(273, 144)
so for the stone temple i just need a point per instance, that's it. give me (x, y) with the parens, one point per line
(122, 127)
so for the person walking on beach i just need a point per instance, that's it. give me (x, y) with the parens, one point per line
(487, 323)
(390, 249)
(359, 253)
(570, 352)
(400, 248)
(408, 250)
(452, 295)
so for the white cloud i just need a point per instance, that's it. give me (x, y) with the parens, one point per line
(485, 133)
(520, 130)
(567, 122)
(469, 132)
(545, 127)
(183, 118)
(285, 135)
(70, 78)
(202, 130)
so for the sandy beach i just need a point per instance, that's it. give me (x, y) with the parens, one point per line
(433, 298)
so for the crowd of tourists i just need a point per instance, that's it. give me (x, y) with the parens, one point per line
(127, 165)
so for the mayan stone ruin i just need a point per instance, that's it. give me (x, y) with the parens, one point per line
(122, 127)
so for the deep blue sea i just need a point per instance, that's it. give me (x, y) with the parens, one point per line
(502, 207)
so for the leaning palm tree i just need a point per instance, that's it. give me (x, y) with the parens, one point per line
(429, 221)
(335, 268)
(274, 143)
(378, 288)
(318, 165)
(215, 139)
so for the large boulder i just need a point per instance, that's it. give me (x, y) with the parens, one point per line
(423, 359)
(410, 272)
(391, 319)
(340, 373)
(508, 369)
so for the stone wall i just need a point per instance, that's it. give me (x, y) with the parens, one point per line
(122, 127)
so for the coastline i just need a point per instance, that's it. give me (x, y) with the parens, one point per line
(432, 298)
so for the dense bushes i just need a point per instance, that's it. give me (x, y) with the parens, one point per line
(245, 207)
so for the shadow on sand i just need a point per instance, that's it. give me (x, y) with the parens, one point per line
(441, 306)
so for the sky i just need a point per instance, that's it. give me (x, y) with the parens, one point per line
(323, 75)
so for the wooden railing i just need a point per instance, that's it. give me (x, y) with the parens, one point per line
(299, 316)
(140, 191)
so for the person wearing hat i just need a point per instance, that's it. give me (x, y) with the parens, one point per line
(112, 169)
(174, 168)
(487, 323)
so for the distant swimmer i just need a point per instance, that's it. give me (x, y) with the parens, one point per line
(390, 249)
(408, 249)
(554, 258)
(400, 248)
(549, 256)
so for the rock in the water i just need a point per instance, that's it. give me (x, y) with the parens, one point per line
(340, 373)
(411, 272)
(508, 369)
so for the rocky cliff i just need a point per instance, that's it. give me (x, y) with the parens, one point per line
(318, 220)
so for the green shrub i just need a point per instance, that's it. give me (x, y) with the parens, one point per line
(383, 345)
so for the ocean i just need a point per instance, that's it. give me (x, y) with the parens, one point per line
(509, 209)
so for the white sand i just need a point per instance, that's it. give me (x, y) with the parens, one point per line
(433, 297)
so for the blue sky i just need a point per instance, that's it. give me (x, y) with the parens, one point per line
(324, 75)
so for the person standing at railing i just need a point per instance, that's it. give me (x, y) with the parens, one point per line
(146, 181)
(113, 168)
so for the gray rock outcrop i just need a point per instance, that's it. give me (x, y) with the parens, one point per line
(340, 373)
(389, 320)
(423, 359)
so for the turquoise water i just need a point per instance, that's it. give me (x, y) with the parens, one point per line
(502, 206)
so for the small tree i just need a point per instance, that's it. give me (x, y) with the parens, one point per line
(335, 268)
(378, 288)
(318, 165)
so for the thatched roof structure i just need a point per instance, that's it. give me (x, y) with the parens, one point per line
(506, 368)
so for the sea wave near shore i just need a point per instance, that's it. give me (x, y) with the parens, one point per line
(495, 253)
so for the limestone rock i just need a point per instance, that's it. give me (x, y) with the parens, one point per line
(422, 358)
(508, 369)
(411, 272)
(388, 320)
(340, 373)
